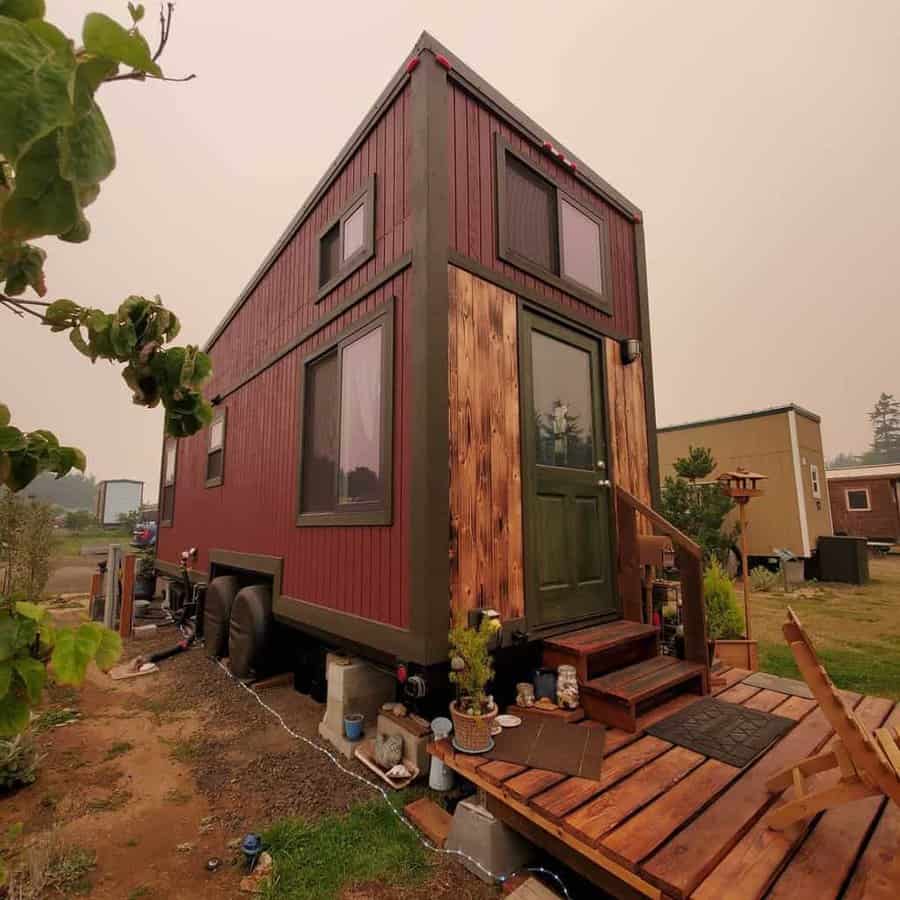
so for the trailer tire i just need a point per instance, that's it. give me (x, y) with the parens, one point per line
(217, 614)
(251, 630)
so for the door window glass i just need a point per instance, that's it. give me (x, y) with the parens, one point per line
(563, 413)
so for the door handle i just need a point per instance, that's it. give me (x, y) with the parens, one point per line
(603, 482)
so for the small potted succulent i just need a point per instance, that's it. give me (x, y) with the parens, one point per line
(471, 669)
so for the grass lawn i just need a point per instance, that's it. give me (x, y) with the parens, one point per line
(69, 543)
(318, 859)
(856, 630)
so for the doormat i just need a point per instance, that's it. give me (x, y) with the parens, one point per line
(540, 743)
(724, 731)
(783, 685)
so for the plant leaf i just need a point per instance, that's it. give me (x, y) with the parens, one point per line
(33, 675)
(106, 37)
(31, 610)
(109, 651)
(5, 415)
(11, 439)
(73, 651)
(23, 9)
(6, 671)
(14, 715)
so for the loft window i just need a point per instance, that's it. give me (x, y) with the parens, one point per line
(345, 464)
(348, 240)
(215, 450)
(858, 500)
(167, 504)
(549, 234)
(814, 481)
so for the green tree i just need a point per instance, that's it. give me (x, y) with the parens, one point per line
(885, 419)
(55, 151)
(79, 519)
(697, 508)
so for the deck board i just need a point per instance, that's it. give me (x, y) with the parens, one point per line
(667, 821)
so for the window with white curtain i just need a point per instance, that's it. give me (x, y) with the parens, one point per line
(345, 440)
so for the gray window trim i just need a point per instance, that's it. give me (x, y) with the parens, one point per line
(165, 483)
(603, 301)
(364, 195)
(375, 512)
(220, 414)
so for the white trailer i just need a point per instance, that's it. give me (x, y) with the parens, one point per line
(118, 497)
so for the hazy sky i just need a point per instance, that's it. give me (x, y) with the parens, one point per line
(762, 141)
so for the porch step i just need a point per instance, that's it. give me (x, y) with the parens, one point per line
(603, 648)
(617, 699)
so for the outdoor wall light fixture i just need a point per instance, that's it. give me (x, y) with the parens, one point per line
(631, 350)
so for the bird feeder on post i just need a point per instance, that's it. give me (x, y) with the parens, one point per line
(741, 486)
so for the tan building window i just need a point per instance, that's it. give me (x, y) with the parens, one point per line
(814, 481)
(858, 500)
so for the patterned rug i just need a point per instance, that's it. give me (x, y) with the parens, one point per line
(724, 731)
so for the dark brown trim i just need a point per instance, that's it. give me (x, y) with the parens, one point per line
(377, 280)
(363, 195)
(376, 513)
(754, 414)
(173, 570)
(428, 491)
(640, 252)
(547, 305)
(602, 302)
(342, 627)
(256, 563)
(163, 484)
(220, 413)
(394, 87)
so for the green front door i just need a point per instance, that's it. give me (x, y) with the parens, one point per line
(565, 476)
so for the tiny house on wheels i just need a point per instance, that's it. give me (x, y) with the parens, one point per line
(783, 443)
(435, 394)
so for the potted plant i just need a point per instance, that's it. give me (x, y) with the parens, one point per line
(471, 669)
(724, 622)
(144, 579)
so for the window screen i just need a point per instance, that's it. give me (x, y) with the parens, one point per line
(320, 435)
(167, 502)
(858, 499)
(531, 215)
(215, 451)
(330, 254)
(581, 250)
(354, 232)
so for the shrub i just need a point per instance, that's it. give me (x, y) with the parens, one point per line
(79, 519)
(26, 542)
(763, 579)
(18, 762)
(471, 667)
(723, 615)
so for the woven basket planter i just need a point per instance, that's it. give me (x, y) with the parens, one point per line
(472, 733)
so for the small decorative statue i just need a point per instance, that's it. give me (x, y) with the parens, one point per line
(567, 687)
(388, 750)
(524, 694)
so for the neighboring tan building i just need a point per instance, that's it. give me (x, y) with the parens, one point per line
(784, 443)
(865, 500)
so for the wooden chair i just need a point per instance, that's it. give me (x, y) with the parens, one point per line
(869, 763)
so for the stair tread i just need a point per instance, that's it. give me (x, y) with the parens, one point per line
(643, 680)
(601, 637)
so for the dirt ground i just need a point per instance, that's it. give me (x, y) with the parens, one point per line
(161, 773)
(71, 574)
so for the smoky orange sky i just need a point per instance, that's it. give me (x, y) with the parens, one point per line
(762, 141)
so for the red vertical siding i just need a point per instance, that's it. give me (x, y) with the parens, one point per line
(473, 210)
(358, 569)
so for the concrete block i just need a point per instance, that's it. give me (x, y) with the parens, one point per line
(486, 839)
(354, 686)
(414, 748)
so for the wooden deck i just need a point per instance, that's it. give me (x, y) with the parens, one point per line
(667, 822)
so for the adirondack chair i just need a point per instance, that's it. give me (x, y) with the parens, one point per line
(868, 762)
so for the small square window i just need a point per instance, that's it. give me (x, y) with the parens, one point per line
(354, 232)
(348, 240)
(167, 490)
(581, 249)
(814, 481)
(858, 500)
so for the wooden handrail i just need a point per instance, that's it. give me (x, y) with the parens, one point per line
(688, 559)
(664, 525)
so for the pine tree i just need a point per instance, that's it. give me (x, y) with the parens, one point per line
(885, 419)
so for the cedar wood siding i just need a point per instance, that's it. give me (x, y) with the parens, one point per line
(486, 534)
(882, 522)
(358, 569)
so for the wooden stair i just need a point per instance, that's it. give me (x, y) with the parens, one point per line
(603, 648)
(619, 697)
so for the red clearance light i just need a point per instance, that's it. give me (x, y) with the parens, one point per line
(402, 674)
(638, 218)
(547, 146)
(412, 64)
(442, 60)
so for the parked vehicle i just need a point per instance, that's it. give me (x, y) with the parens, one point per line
(144, 535)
